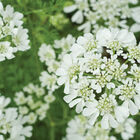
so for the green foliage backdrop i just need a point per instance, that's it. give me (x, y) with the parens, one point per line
(26, 67)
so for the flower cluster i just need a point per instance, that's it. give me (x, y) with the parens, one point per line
(52, 56)
(126, 129)
(101, 76)
(12, 125)
(12, 35)
(33, 102)
(79, 129)
(95, 14)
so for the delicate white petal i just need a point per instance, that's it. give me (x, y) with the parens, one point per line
(93, 118)
(79, 106)
(74, 102)
(105, 122)
(78, 17)
(69, 98)
(70, 9)
(133, 108)
(112, 121)
(135, 27)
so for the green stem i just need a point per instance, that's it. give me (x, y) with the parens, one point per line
(52, 127)
(126, 61)
(35, 11)
(52, 131)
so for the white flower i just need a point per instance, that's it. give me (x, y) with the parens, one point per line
(135, 70)
(20, 98)
(49, 98)
(32, 118)
(23, 110)
(33, 102)
(31, 88)
(53, 66)
(82, 6)
(127, 129)
(13, 126)
(9, 16)
(4, 102)
(93, 14)
(81, 93)
(83, 44)
(65, 43)
(79, 129)
(48, 81)
(104, 107)
(20, 38)
(67, 72)
(134, 53)
(14, 35)
(115, 39)
(103, 84)
(6, 51)
(46, 53)
(128, 91)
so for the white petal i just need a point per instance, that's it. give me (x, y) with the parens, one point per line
(78, 17)
(69, 98)
(61, 80)
(138, 88)
(103, 36)
(135, 27)
(125, 135)
(137, 101)
(136, 14)
(70, 9)
(93, 118)
(113, 122)
(126, 37)
(77, 50)
(60, 72)
(86, 27)
(88, 111)
(79, 106)
(74, 102)
(67, 60)
(66, 89)
(133, 108)
(121, 113)
(104, 122)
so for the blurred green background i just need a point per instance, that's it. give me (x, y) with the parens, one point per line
(26, 67)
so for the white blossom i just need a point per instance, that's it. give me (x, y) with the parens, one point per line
(13, 125)
(127, 129)
(48, 81)
(80, 6)
(92, 15)
(33, 102)
(11, 25)
(79, 129)
(101, 76)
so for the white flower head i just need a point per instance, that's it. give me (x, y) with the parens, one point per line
(79, 129)
(13, 125)
(11, 26)
(33, 102)
(101, 76)
(93, 14)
